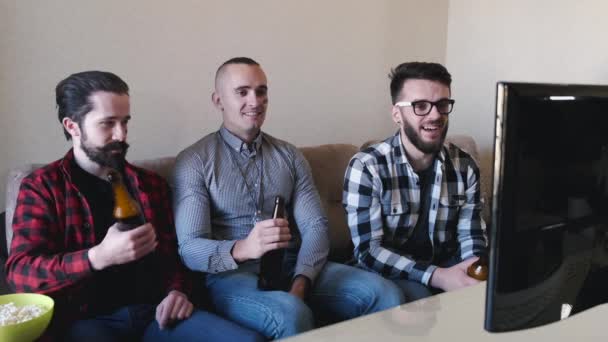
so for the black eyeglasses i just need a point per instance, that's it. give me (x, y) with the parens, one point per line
(424, 107)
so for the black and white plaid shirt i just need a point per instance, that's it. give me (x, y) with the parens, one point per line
(382, 200)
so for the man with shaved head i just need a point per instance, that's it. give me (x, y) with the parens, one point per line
(225, 186)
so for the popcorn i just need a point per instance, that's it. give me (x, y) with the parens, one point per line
(12, 314)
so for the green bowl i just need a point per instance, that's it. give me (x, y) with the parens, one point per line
(29, 330)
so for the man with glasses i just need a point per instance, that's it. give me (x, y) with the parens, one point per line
(413, 204)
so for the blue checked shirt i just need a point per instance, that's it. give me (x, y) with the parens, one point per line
(382, 200)
(215, 206)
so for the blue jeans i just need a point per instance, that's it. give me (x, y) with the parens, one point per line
(339, 293)
(137, 323)
(413, 290)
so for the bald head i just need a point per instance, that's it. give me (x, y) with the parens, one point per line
(221, 71)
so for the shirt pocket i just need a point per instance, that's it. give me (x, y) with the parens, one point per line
(396, 221)
(395, 209)
(447, 215)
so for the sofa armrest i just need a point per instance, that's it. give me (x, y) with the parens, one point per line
(15, 176)
(3, 245)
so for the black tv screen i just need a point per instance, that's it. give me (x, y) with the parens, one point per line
(549, 223)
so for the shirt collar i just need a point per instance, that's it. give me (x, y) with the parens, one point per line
(239, 145)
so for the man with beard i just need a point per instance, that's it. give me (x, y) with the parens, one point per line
(225, 189)
(108, 285)
(413, 205)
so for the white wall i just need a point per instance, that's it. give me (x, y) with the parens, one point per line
(327, 64)
(6, 58)
(559, 41)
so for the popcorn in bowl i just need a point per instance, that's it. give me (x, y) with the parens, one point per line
(12, 314)
(24, 316)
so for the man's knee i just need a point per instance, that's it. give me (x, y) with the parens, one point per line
(290, 316)
(383, 293)
(273, 314)
(390, 295)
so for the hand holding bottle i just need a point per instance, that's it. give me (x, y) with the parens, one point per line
(265, 236)
(271, 265)
(479, 269)
(454, 277)
(120, 247)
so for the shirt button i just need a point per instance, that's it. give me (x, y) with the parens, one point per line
(433, 206)
(394, 210)
(87, 225)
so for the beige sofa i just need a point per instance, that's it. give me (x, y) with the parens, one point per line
(328, 163)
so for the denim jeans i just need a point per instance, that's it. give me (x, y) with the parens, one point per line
(137, 323)
(340, 292)
(413, 290)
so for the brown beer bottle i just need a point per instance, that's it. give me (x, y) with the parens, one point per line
(479, 269)
(271, 264)
(126, 210)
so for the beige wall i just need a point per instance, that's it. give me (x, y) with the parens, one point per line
(519, 40)
(327, 63)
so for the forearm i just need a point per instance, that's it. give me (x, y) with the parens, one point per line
(300, 286)
(393, 265)
(311, 221)
(240, 252)
(176, 275)
(46, 273)
(367, 235)
(198, 251)
(313, 252)
(205, 255)
(36, 261)
(178, 278)
(471, 227)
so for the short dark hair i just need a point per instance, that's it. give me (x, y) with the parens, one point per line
(417, 70)
(72, 95)
(236, 60)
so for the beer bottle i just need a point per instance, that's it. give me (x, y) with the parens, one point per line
(271, 264)
(126, 210)
(479, 269)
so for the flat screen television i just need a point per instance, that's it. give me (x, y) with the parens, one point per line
(548, 233)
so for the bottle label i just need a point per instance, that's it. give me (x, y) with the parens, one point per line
(129, 223)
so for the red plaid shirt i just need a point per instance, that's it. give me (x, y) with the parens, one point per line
(53, 232)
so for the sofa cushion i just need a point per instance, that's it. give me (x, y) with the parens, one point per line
(328, 164)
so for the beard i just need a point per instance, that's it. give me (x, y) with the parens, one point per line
(106, 155)
(424, 147)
